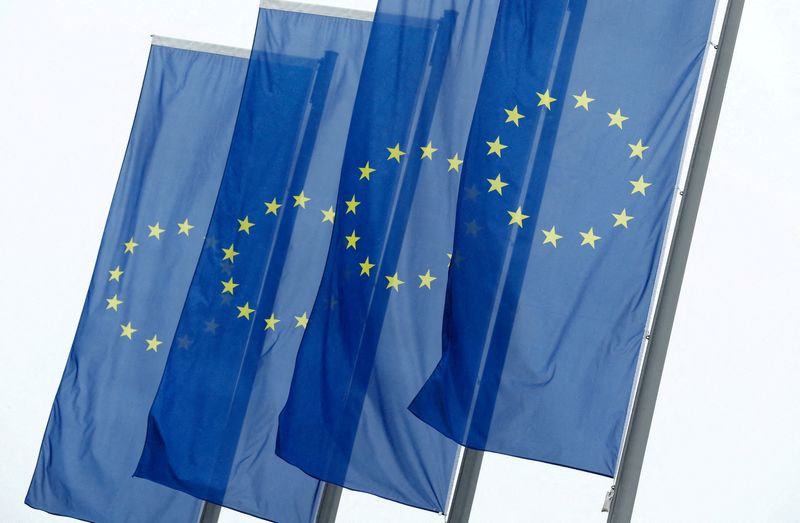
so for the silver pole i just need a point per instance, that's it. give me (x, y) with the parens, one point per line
(326, 513)
(627, 479)
(329, 504)
(210, 513)
(466, 484)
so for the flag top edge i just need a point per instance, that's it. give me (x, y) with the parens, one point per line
(191, 45)
(315, 9)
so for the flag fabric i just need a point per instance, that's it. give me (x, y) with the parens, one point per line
(152, 239)
(570, 173)
(212, 427)
(374, 334)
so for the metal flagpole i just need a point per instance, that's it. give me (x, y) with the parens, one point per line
(326, 513)
(329, 504)
(210, 513)
(466, 484)
(624, 491)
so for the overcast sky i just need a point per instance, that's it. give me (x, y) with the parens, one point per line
(724, 445)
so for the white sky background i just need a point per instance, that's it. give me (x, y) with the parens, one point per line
(724, 445)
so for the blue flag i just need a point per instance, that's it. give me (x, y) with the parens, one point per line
(212, 427)
(570, 172)
(375, 330)
(151, 243)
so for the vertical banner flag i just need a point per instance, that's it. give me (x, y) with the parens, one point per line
(570, 173)
(212, 427)
(152, 240)
(374, 334)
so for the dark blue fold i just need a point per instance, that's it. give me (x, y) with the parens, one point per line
(211, 430)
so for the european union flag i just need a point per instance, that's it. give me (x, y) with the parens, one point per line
(375, 329)
(212, 427)
(570, 172)
(151, 243)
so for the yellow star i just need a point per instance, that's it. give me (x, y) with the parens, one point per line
(352, 204)
(113, 303)
(545, 99)
(551, 237)
(495, 147)
(352, 240)
(496, 185)
(426, 279)
(514, 115)
(130, 245)
(616, 119)
(589, 237)
(271, 322)
(517, 217)
(115, 273)
(394, 282)
(455, 163)
(366, 171)
(230, 254)
(185, 227)
(394, 153)
(273, 206)
(228, 286)
(428, 150)
(245, 311)
(366, 266)
(245, 225)
(302, 321)
(622, 218)
(155, 231)
(300, 200)
(639, 186)
(637, 149)
(582, 100)
(127, 331)
(153, 343)
(328, 215)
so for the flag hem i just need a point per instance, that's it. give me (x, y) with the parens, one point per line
(191, 45)
(511, 454)
(314, 9)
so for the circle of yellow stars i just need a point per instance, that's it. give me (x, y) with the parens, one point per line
(299, 202)
(115, 303)
(228, 287)
(517, 217)
(396, 154)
